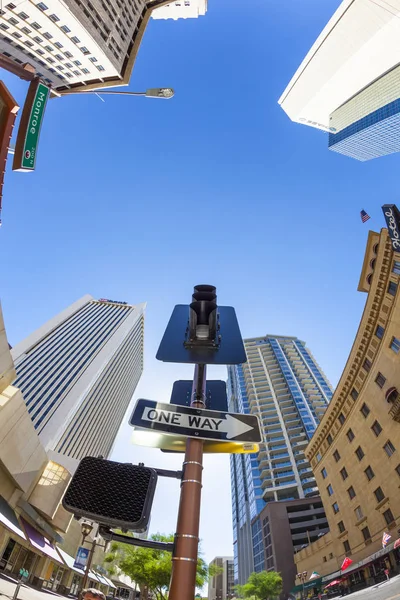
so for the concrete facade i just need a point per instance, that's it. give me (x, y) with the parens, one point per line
(355, 451)
(285, 528)
(221, 586)
(181, 9)
(76, 45)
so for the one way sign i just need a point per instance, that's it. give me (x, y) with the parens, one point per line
(192, 422)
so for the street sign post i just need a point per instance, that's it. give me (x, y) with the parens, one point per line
(193, 422)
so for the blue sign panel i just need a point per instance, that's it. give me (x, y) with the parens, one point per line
(81, 558)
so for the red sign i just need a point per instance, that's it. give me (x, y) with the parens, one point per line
(346, 563)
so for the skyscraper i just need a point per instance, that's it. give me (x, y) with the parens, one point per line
(283, 385)
(181, 9)
(76, 45)
(78, 373)
(338, 87)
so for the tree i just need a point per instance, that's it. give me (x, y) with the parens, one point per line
(266, 585)
(150, 569)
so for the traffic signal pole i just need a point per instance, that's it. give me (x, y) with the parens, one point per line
(184, 559)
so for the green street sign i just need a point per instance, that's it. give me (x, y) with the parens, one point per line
(29, 129)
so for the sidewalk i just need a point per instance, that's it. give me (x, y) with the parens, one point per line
(7, 589)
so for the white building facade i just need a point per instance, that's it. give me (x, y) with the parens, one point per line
(221, 586)
(74, 44)
(359, 45)
(181, 9)
(78, 373)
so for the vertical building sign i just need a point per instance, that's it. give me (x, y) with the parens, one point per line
(392, 217)
(29, 128)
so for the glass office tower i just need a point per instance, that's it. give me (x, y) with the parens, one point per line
(283, 385)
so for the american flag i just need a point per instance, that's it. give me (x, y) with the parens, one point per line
(364, 216)
(386, 537)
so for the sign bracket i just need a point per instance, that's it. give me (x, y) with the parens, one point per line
(109, 535)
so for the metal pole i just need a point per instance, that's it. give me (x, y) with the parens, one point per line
(101, 92)
(89, 564)
(184, 559)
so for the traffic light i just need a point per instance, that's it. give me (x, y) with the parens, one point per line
(202, 332)
(203, 317)
(111, 493)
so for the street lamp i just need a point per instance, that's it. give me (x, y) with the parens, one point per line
(165, 93)
(302, 576)
(86, 529)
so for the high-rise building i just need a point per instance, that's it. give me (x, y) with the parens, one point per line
(283, 385)
(78, 373)
(181, 9)
(348, 84)
(76, 45)
(221, 586)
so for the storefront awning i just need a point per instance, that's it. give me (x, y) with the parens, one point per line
(109, 582)
(69, 561)
(38, 541)
(10, 519)
(102, 579)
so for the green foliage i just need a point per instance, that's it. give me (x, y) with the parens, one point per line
(266, 585)
(149, 568)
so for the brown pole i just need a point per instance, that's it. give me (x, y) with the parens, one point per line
(184, 559)
(88, 565)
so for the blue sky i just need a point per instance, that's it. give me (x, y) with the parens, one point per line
(140, 199)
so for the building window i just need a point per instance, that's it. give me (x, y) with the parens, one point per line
(380, 380)
(346, 547)
(366, 533)
(389, 518)
(365, 410)
(4, 26)
(376, 428)
(379, 332)
(85, 71)
(100, 68)
(351, 492)
(324, 559)
(350, 435)
(396, 267)
(54, 18)
(336, 456)
(84, 50)
(37, 39)
(77, 63)
(329, 489)
(394, 344)
(36, 25)
(329, 439)
(42, 6)
(93, 59)
(341, 418)
(324, 473)
(75, 40)
(344, 473)
(10, 6)
(379, 495)
(398, 470)
(389, 448)
(68, 54)
(26, 30)
(47, 35)
(335, 507)
(58, 45)
(359, 513)
(13, 21)
(367, 364)
(369, 473)
(354, 394)
(23, 15)
(360, 453)
(392, 288)
(49, 49)
(341, 526)
(65, 29)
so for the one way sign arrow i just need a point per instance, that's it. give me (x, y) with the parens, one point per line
(192, 422)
